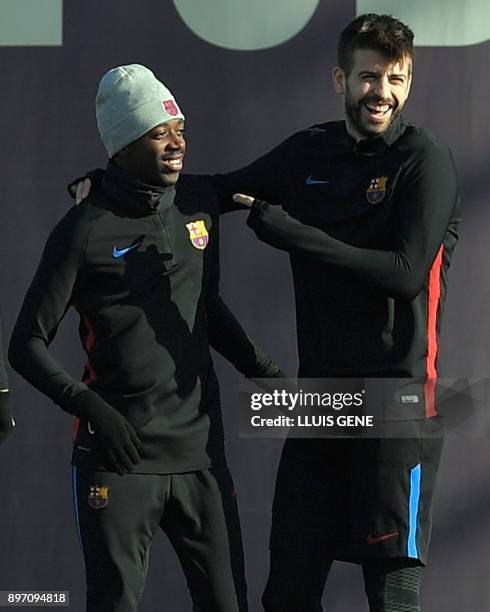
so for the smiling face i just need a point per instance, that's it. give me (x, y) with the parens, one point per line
(375, 91)
(157, 157)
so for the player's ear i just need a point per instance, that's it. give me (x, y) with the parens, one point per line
(338, 79)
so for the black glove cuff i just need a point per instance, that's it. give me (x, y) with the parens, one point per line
(256, 211)
(5, 416)
(277, 373)
(86, 404)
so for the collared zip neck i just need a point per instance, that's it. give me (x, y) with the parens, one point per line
(376, 144)
(135, 196)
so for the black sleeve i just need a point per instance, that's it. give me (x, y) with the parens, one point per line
(45, 305)
(265, 178)
(227, 336)
(426, 208)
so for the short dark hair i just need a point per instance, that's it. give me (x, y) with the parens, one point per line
(381, 33)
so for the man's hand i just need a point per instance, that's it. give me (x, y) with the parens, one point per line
(246, 200)
(116, 440)
(82, 186)
(82, 190)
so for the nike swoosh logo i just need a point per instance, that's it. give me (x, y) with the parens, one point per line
(120, 252)
(386, 536)
(311, 181)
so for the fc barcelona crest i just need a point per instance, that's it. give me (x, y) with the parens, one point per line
(198, 234)
(377, 189)
(170, 107)
(98, 497)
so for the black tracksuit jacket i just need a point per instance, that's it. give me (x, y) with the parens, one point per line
(141, 267)
(370, 228)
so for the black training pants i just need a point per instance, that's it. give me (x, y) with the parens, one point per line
(118, 516)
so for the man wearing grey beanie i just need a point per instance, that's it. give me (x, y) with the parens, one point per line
(139, 262)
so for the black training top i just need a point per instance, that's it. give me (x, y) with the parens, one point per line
(141, 267)
(370, 228)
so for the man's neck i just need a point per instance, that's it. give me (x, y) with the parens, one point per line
(351, 130)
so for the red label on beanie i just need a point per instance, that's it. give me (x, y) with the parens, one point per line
(171, 107)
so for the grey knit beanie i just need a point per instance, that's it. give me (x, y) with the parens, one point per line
(131, 101)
